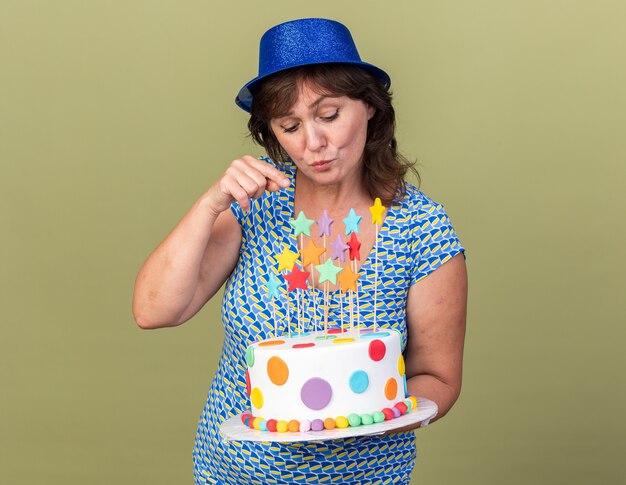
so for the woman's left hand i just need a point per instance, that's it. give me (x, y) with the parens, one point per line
(436, 314)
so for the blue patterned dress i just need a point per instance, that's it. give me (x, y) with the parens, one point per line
(416, 237)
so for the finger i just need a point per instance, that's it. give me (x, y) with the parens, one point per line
(272, 186)
(270, 172)
(248, 178)
(238, 187)
(251, 185)
(240, 196)
(247, 171)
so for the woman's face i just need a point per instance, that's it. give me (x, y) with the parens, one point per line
(324, 136)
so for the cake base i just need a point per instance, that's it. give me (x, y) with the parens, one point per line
(234, 430)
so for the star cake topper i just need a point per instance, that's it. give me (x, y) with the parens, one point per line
(297, 278)
(286, 259)
(347, 279)
(273, 284)
(355, 248)
(377, 212)
(301, 225)
(339, 249)
(323, 224)
(328, 271)
(352, 222)
(311, 254)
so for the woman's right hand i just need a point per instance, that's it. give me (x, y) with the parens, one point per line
(195, 259)
(246, 178)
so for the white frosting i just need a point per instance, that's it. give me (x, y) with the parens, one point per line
(335, 363)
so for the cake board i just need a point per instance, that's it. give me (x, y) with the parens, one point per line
(234, 430)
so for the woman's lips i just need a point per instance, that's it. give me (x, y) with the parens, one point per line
(321, 165)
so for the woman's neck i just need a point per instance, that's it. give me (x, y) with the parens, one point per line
(311, 197)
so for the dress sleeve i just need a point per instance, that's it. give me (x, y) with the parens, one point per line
(435, 240)
(238, 212)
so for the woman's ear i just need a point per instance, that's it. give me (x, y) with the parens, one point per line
(370, 112)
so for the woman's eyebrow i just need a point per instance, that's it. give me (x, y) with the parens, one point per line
(317, 101)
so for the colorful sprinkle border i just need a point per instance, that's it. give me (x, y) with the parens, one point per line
(352, 420)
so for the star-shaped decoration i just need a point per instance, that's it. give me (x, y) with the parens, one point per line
(301, 225)
(323, 224)
(286, 259)
(377, 212)
(328, 271)
(347, 279)
(339, 249)
(311, 254)
(297, 278)
(352, 222)
(273, 284)
(355, 247)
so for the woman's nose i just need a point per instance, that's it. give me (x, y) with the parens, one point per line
(315, 138)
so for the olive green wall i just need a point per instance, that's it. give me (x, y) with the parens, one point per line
(116, 115)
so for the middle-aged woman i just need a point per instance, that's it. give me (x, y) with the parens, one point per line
(326, 121)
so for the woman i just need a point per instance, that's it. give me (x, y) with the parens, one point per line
(326, 120)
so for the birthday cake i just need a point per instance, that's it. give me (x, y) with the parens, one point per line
(311, 379)
(322, 381)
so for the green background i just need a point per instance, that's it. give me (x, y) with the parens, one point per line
(116, 115)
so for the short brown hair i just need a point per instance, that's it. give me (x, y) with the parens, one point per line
(384, 167)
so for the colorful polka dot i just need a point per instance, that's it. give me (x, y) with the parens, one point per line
(256, 396)
(303, 346)
(391, 389)
(335, 330)
(326, 337)
(247, 383)
(298, 334)
(271, 425)
(316, 393)
(281, 426)
(277, 370)
(270, 343)
(374, 334)
(359, 381)
(293, 425)
(377, 350)
(343, 340)
(250, 356)
(401, 366)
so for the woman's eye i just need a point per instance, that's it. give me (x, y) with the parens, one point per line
(290, 129)
(331, 117)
